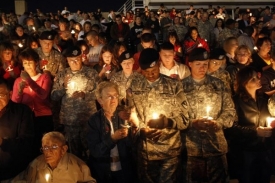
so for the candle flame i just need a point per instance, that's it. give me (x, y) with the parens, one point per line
(269, 120)
(155, 115)
(47, 177)
(208, 108)
(20, 45)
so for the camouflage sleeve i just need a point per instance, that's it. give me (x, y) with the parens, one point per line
(91, 85)
(181, 120)
(62, 64)
(228, 111)
(58, 90)
(271, 105)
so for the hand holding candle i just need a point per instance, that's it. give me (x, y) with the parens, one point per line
(270, 122)
(158, 121)
(205, 124)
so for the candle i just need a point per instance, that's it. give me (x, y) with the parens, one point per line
(72, 85)
(255, 48)
(208, 108)
(47, 177)
(269, 120)
(33, 28)
(20, 45)
(72, 32)
(155, 115)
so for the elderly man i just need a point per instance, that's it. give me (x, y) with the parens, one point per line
(56, 165)
(211, 111)
(16, 134)
(75, 87)
(161, 108)
(109, 139)
(50, 60)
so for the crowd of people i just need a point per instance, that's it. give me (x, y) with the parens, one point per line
(146, 97)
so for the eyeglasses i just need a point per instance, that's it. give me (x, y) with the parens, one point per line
(47, 148)
(2, 95)
(110, 97)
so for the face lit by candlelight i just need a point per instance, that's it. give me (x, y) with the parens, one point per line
(75, 63)
(127, 66)
(109, 99)
(4, 96)
(151, 74)
(54, 152)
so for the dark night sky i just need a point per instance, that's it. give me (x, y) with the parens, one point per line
(73, 5)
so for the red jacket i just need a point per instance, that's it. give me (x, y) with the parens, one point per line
(189, 44)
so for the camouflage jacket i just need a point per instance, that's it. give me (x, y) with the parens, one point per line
(224, 34)
(206, 31)
(181, 30)
(224, 76)
(55, 61)
(164, 96)
(75, 111)
(209, 92)
(123, 82)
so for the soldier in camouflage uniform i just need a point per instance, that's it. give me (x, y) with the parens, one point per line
(159, 143)
(50, 60)
(206, 29)
(124, 78)
(226, 32)
(217, 59)
(180, 29)
(75, 86)
(211, 111)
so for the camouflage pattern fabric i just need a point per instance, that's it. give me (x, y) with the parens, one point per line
(164, 96)
(208, 92)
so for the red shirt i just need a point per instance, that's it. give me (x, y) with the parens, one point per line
(35, 94)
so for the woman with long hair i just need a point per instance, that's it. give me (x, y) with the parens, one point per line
(107, 65)
(250, 138)
(9, 67)
(192, 41)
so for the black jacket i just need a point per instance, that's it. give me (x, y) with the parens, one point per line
(17, 131)
(251, 114)
(100, 145)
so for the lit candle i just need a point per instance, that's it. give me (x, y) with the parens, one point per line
(33, 28)
(208, 108)
(255, 48)
(155, 115)
(47, 177)
(20, 45)
(72, 85)
(72, 32)
(269, 120)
